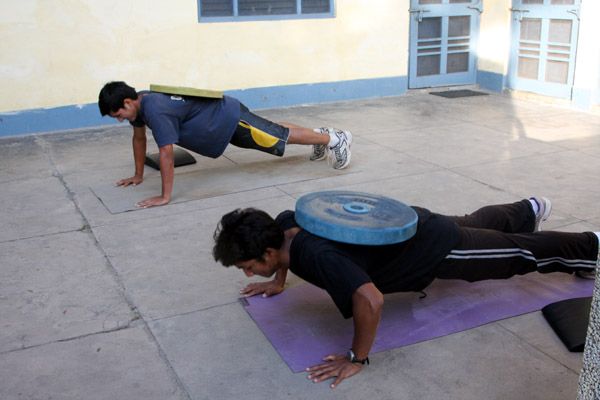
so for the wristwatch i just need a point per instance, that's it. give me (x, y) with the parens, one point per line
(352, 358)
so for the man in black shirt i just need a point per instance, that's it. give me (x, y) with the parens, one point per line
(494, 242)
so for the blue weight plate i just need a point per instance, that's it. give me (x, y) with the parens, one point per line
(355, 217)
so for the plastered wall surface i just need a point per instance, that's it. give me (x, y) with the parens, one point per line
(57, 54)
(494, 37)
(587, 70)
(60, 52)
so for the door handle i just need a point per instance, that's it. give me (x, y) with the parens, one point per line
(575, 12)
(478, 6)
(419, 12)
(518, 13)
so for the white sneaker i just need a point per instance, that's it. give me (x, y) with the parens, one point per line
(545, 208)
(320, 151)
(340, 153)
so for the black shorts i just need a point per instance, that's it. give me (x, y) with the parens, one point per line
(254, 132)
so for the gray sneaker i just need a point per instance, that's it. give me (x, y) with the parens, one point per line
(545, 208)
(340, 153)
(320, 150)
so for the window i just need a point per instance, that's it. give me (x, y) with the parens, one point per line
(240, 10)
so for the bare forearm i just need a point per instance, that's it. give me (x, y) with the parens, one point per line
(280, 276)
(167, 166)
(139, 150)
(167, 170)
(367, 303)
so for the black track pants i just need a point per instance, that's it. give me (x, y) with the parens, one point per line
(497, 242)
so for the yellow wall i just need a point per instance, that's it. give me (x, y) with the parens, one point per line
(587, 74)
(60, 52)
(494, 37)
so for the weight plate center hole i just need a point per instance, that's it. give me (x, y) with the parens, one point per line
(357, 208)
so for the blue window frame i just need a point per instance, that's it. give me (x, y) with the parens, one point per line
(254, 10)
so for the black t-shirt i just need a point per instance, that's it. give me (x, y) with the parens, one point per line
(341, 268)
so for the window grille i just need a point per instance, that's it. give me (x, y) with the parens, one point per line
(231, 10)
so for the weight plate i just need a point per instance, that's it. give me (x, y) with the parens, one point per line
(186, 91)
(356, 217)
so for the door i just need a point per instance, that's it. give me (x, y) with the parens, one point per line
(543, 48)
(443, 42)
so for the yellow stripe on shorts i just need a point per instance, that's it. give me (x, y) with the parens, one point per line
(261, 138)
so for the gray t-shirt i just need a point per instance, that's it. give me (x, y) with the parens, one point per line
(202, 125)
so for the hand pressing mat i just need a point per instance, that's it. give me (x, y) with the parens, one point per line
(303, 324)
(206, 183)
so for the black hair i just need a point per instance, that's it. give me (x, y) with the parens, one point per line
(112, 96)
(245, 234)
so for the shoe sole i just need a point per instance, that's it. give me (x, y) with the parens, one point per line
(349, 152)
(323, 157)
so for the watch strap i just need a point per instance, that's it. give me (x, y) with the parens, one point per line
(353, 359)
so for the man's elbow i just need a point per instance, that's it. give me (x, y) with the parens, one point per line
(166, 151)
(370, 297)
(376, 302)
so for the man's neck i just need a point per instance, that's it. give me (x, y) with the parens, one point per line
(138, 102)
(289, 235)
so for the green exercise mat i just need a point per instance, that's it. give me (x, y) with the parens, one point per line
(186, 91)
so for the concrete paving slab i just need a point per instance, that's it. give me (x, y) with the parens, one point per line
(117, 365)
(588, 145)
(441, 191)
(570, 178)
(595, 222)
(364, 116)
(483, 363)
(480, 110)
(534, 329)
(110, 175)
(545, 126)
(97, 152)
(450, 153)
(375, 162)
(89, 149)
(419, 371)
(217, 182)
(568, 223)
(375, 120)
(445, 146)
(97, 214)
(168, 268)
(57, 287)
(159, 259)
(22, 158)
(215, 361)
(308, 116)
(78, 183)
(36, 206)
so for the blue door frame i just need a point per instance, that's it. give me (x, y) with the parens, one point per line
(443, 42)
(543, 46)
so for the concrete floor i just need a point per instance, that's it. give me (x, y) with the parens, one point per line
(131, 305)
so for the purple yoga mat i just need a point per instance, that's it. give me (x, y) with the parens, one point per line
(303, 324)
